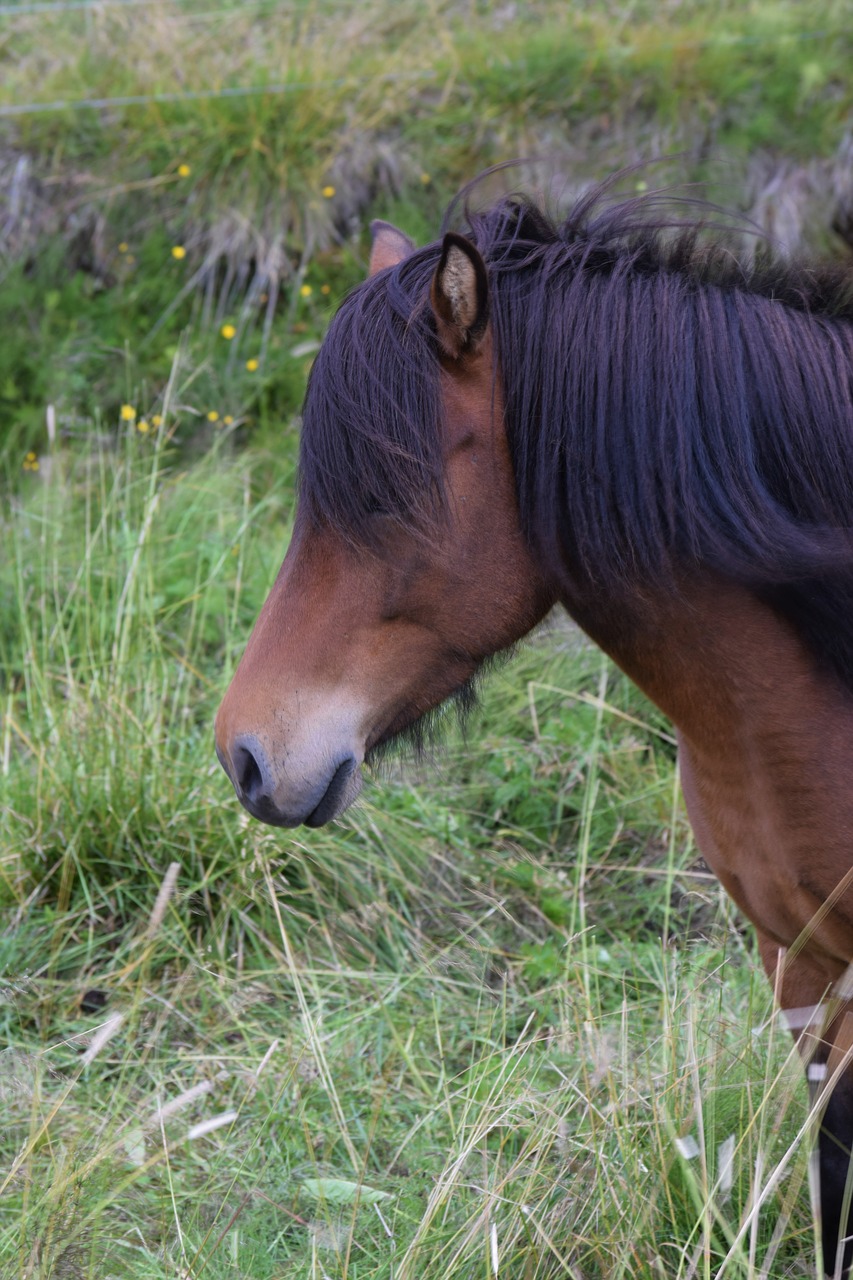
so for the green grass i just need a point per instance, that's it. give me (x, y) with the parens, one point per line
(474, 1020)
(778, 63)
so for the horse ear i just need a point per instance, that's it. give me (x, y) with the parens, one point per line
(389, 246)
(460, 297)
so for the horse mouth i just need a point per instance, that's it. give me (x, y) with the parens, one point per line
(311, 805)
(344, 786)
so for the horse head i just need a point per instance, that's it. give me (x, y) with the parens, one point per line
(376, 620)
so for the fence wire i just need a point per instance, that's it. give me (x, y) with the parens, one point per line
(200, 95)
(98, 6)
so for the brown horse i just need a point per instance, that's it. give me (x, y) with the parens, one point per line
(622, 417)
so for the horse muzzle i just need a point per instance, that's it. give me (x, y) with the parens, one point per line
(294, 793)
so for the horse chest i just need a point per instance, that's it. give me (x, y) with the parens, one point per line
(766, 748)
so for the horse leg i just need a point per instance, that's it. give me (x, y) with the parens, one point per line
(835, 1143)
(822, 1026)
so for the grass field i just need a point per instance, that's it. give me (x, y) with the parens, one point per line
(468, 1031)
(499, 1021)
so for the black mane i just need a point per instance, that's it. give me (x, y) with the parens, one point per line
(669, 405)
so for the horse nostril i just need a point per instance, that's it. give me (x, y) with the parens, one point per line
(248, 775)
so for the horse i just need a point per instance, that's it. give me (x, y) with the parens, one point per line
(619, 413)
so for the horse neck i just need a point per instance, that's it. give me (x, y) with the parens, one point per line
(724, 666)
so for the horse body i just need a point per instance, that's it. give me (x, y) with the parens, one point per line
(658, 442)
(765, 743)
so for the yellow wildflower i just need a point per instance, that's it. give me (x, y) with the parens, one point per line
(227, 420)
(123, 247)
(184, 170)
(328, 192)
(128, 413)
(142, 426)
(426, 179)
(31, 462)
(178, 251)
(251, 365)
(306, 291)
(228, 331)
(325, 289)
(156, 420)
(213, 416)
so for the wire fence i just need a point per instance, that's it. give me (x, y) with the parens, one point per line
(98, 6)
(201, 95)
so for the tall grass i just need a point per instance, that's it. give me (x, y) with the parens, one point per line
(499, 1022)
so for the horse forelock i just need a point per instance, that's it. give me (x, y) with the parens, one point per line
(371, 431)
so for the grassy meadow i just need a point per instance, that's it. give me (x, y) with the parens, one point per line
(499, 1022)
